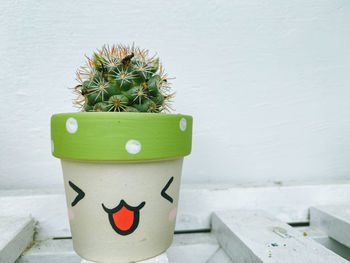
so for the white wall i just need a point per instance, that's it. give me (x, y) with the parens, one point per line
(267, 82)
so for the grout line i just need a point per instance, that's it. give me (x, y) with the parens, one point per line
(192, 231)
(176, 232)
(299, 224)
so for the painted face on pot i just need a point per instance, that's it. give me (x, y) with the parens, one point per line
(124, 218)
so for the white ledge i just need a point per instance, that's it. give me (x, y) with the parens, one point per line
(333, 220)
(197, 202)
(255, 236)
(16, 233)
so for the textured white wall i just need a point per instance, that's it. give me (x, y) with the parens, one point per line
(267, 82)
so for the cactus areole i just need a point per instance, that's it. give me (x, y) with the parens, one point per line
(121, 157)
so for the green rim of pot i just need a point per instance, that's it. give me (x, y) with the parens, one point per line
(122, 136)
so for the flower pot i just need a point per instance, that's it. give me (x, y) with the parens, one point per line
(122, 175)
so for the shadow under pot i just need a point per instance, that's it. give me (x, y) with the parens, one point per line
(122, 174)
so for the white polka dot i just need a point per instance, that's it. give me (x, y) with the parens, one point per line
(71, 125)
(183, 124)
(52, 146)
(133, 146)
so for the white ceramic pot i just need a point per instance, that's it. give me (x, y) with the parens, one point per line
(122, 211)
(122, 174)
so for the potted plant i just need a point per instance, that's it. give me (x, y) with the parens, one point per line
(121, 157)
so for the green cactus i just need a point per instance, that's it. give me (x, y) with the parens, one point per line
(123, 79)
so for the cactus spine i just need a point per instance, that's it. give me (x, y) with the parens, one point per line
(123, 79)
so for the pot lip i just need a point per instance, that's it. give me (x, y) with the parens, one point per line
(123, 114)
(120, 136)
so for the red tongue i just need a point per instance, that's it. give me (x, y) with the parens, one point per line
(123, 219)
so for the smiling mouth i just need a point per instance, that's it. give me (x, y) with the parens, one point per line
(124, 218)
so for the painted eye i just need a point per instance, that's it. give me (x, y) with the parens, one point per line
(164, 194)
(80, 192)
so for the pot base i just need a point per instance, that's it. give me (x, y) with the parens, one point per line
(162, 258)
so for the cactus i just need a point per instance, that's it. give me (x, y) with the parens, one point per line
(123, 79)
